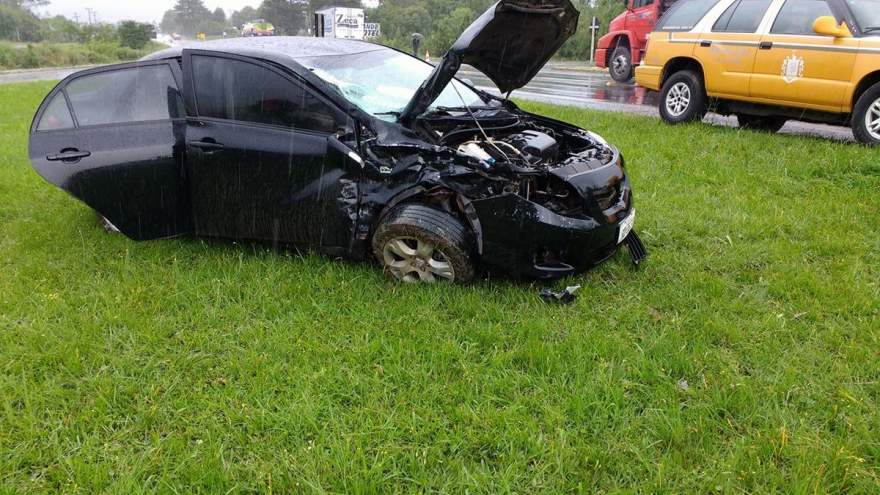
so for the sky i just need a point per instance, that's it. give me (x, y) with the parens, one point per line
(138, 10)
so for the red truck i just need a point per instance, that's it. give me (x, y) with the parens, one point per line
(623, 47)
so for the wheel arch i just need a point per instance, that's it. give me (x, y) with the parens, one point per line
(864, 85)
(678, 64)
(618, 39)
(444, 199)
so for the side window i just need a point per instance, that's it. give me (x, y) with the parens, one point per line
(798, 16)
(57, 115)
(684, 15)
(240, 91)
(136, 94)
(642, 3)
(743, 16)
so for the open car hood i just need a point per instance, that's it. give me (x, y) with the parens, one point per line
(510, 43)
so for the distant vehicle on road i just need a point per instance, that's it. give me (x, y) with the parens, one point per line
(768, 61)
(343, 22)
(258, 28)
(624, 45)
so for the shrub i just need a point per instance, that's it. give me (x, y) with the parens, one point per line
(135, 35)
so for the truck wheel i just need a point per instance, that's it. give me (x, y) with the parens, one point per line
(683, 98)
(866, 117)
(761, 123)
(419, 244)
(621, 67)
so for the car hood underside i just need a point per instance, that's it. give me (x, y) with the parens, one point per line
(510, 43)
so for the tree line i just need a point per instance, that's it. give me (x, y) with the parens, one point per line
(19, 23)
(440, 21)
(290, 17)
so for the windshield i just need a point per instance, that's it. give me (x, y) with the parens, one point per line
(867, 13)
(382, 82)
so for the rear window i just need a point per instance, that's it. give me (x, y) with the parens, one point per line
(684, 15)
(57, 115)
(743, 16)
(241, 91)
(136, 94)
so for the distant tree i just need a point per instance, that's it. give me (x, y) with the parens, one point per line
(218, 16)
(135, 34)
(24, 4)
(288, 16)
(18, 24)
(60, 29)
(243, 16)
(185, 17)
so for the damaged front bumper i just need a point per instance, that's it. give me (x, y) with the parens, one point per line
(528, 240)
(532, 240)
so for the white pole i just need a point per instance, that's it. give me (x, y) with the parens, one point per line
(593, 40)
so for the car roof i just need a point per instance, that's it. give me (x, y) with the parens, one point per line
(275, 48)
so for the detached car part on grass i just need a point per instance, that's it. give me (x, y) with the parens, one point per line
(350, 148)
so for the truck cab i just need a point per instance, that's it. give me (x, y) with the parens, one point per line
(623, 47)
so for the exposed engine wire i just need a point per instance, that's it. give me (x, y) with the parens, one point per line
(477, 121)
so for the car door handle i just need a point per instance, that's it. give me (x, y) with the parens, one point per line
(706, 43)
(766, 45)
(69, 156)
(207, 146)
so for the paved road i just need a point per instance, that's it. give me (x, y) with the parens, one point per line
(32, 75)
(563, 83)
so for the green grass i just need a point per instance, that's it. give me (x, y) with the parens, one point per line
(184, 365)
(35, 55)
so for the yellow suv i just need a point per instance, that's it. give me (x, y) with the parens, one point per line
(768, 61)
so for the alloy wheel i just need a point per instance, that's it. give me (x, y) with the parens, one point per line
(620, 66)
(413, 260)
(872, 120)
(678, 99)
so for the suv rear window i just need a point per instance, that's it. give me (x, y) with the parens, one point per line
(136, 94)
(743, 16)
(685, 14)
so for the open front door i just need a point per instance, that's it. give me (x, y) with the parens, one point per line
(114, 138)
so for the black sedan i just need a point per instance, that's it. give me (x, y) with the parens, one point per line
(347, 147)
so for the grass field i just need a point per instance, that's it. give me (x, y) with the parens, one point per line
(744, 357)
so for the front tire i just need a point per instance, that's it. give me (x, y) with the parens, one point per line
(620, 67)
(683, 98)
(416, 243)
(866, 117)
(761, 123)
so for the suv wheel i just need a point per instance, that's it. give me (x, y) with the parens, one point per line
(866, 117)
(419, 244)
(761, 123)
(620, 67)
(683, 98)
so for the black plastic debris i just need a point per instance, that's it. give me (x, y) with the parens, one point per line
(567, 296)
(637, 250)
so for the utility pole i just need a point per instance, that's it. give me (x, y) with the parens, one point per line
(76, 17)
(91, 13)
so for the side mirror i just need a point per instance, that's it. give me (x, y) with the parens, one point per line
(828, 26)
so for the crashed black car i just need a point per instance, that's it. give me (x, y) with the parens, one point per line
(351, 148)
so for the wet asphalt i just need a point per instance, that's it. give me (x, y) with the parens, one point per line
(578, 84)
(564, 83)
